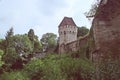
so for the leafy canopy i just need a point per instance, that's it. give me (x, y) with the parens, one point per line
(49, 40)
(82, 31)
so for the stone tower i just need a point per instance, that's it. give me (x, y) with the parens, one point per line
(67, 33)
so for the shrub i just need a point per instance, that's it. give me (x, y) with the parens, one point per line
(59, 67)
(15, 75)
(1, 54)
(76, 69)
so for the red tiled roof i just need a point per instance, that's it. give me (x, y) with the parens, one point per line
(67, 21)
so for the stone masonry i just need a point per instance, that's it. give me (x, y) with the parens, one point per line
(106, 28)
(67, 33)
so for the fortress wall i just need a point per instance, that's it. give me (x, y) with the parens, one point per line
(106, 29)
(76, 45)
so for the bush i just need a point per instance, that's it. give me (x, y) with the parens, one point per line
(44, 69)
(34, 69)
(1, 54)
(15, 75)
(59, 67)
(76, 69)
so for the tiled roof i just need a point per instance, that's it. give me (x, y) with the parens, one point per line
(67, 21)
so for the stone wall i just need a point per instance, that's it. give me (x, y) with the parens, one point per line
(106, 29)
(104, 37)
(106, 34)
(76, 45)
(67, 34)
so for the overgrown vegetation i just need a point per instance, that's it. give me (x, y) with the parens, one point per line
(17, 49)
(53, 67)
(91, 13)
(49, 42)
(82, 31)
(18, 62)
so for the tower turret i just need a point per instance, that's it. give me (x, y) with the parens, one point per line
(67, 32)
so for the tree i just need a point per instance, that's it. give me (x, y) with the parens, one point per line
(31, 34)
(60, 67)
(22, 44)
(49, 41)
(37, 46)
(1, 54)
(82, 31)
(9, 33)
(2, 44)
(19, 46)
(91, 13)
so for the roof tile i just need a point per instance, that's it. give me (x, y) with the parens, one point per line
(67, 21)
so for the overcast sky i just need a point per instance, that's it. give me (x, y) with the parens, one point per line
(41, 15)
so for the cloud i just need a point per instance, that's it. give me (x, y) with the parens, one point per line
(41, 15)
(49, 7)
(2, 19)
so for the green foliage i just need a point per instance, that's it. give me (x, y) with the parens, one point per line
(88, 47)
(10, 56)
(37, 46)
(16, 47)
(51, 67)
(82, 31)
(18, 44)
(91, 13)
(60, 67)
(76, 69)
(2, 44)
(14, 75)
(34, 67)
(49, 40)
(1, 54)
(31, 34)
(9, 33)
(22, 44)
(43, 69)
(83, 51)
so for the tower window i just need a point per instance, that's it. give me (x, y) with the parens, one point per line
(64, 32)
(73, 32)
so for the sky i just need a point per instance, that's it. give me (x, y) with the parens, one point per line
(41, 15)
